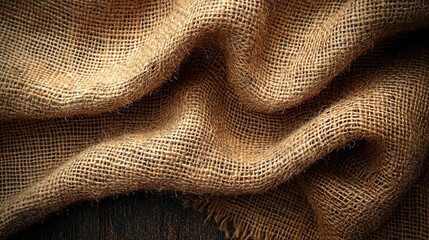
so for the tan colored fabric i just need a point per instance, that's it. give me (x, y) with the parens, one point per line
(291, 119)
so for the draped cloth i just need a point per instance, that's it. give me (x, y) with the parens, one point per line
(280, 119)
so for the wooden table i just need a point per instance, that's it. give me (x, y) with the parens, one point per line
(136, 216)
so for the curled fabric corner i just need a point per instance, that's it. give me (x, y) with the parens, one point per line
(302, 120)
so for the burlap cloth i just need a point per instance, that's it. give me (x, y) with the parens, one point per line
(289, 119)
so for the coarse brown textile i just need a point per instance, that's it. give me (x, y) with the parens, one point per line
(290, 119)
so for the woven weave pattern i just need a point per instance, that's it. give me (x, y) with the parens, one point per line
(292, 119)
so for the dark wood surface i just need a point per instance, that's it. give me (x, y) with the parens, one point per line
(136, 216)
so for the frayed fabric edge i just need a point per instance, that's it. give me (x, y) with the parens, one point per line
(232, 226)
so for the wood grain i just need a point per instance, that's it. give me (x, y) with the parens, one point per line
(136, 216)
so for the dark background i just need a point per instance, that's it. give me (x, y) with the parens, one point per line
(136, 216)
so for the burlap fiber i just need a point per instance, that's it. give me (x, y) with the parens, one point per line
(286, 119)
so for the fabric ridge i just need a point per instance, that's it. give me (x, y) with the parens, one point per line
(280, 119)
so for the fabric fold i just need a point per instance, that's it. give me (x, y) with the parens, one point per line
(304, 119)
